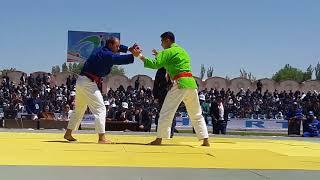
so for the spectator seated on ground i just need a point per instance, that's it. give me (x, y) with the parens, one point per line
(65, 114)
(46, 114)
(111, 112)
(10, 112)
(279, 115)
(34, 104)
(142, 117)
(71, 100)
(124, 114)
(311, 126)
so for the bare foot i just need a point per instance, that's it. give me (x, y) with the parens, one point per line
(156, 142)
(206, 142)
(105, 141)
(69, 138)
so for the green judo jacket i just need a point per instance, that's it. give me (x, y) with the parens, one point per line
(175, 60)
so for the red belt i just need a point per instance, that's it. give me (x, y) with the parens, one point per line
(96, 79)
(92, 77)
(183, 74)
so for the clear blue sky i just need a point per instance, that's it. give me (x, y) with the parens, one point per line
(258, 35)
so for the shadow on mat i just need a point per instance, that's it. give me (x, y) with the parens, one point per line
(130, 143)
(223, 142)
(67, 142)
(145, 144)
(119, 143)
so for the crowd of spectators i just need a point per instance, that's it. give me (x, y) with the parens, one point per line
(264, 105)
(33, 95)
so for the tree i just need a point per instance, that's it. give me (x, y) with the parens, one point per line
(243, 73)
(290, 73)
(4, 71)
(246, 75)
(70, 67)
(308, 73)
(55, 69)
(75, 67)
(210, 72)
(64, 67)
(202, 72)
(78, 67)
(317, 71)
(117, 70)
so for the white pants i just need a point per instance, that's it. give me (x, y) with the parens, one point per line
(88, 94)
(171, 103)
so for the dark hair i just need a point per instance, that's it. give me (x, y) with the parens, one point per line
(35, 92)
(168, 35)
(111, 40)
(139, 105)
(65, 104)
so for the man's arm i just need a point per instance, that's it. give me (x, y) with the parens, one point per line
(118, 59)
(123, 49)
(157, 63)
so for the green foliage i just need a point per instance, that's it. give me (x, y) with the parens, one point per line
(117, 70)
(202, 72)
(317, 71)
(290, 73)
(4, 71)
(246, 75)
(76, 68)
(55, 69)
(210, 72)
(64, 67)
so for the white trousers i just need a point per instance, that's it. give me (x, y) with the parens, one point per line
(88, 95)
(171, 103)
